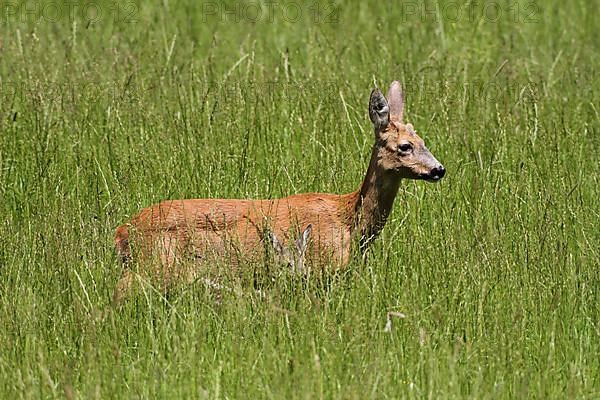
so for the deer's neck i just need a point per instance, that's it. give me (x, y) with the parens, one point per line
(374, 201)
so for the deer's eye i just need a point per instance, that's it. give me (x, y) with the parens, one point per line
(405, 147)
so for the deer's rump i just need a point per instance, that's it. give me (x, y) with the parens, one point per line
(219, 228)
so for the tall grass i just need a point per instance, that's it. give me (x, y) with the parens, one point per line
(495, 268)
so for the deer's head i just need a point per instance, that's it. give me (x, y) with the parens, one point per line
(293, 256)
(399, 149)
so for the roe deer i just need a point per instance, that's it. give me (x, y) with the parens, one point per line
(231, 230)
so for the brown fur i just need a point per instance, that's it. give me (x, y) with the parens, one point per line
(232, 229)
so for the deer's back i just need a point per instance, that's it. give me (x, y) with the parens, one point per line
(204, 226)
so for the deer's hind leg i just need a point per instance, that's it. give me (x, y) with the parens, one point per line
(157, 261)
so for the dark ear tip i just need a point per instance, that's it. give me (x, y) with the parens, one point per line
(377, 99)
(376, 93)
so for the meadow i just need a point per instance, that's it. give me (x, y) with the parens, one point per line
(106, 108)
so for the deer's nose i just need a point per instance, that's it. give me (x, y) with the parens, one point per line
(438, 172)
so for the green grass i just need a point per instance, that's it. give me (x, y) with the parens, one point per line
(496, 268)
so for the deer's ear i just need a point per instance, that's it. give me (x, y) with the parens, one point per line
(379, 110)
(395, 99)
(275, 243)
(302, 242)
